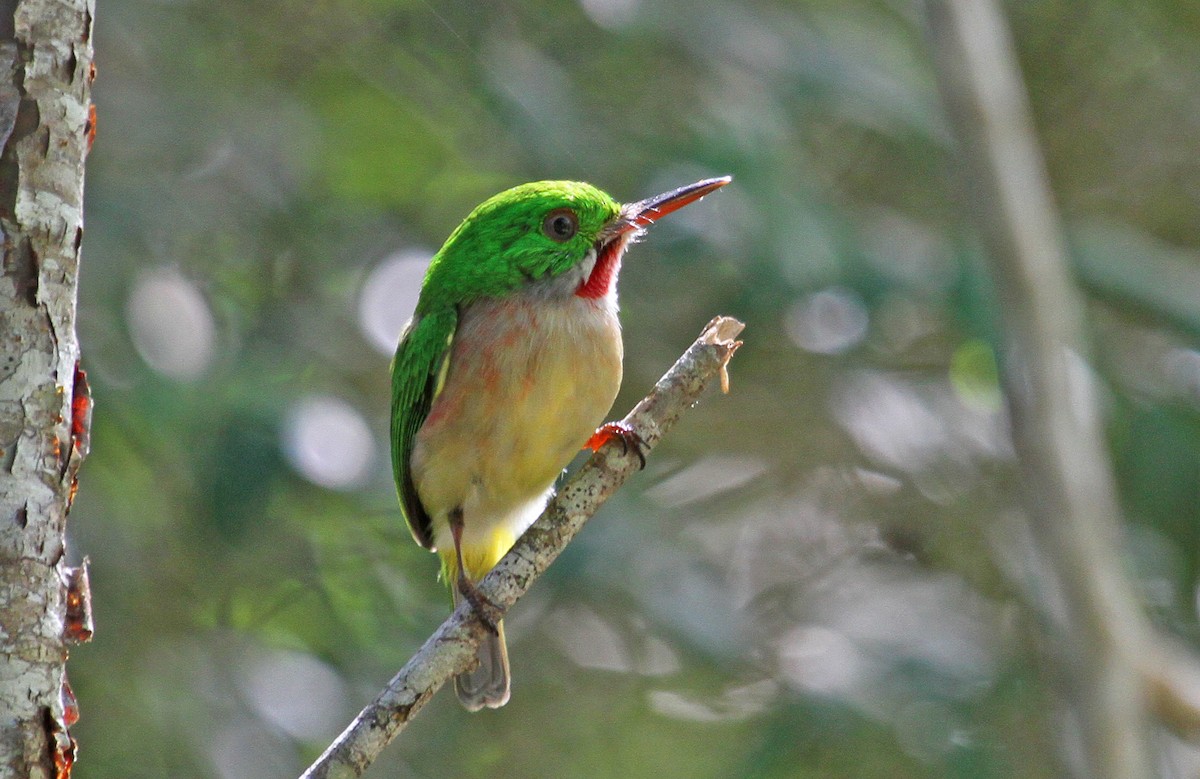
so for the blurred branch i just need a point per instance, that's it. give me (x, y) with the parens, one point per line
(1172, 679)
(1159, 284)
(1103, 639)
(451, 649)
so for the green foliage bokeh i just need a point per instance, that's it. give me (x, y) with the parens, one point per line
(819, 575)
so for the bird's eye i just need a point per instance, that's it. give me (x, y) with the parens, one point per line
(560, 225)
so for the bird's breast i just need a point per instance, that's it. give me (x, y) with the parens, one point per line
(528, 381)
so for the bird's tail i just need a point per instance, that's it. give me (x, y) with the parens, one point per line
(488, 684)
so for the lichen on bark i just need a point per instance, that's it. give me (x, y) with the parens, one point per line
(45, 99)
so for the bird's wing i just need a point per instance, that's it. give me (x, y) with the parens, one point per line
(418, 371)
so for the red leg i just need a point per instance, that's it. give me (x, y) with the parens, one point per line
(629, 439)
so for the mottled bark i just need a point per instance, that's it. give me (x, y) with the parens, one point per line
(451, 649)
(45, 128)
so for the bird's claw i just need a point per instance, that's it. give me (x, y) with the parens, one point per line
(629, 439)
(489, 613)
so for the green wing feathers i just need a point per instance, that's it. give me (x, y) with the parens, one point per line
(416, 378)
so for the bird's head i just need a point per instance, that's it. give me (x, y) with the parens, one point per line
(558, 237)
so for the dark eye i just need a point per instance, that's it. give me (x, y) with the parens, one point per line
(560, 225)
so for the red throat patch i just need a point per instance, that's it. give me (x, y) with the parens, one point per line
(604, 274)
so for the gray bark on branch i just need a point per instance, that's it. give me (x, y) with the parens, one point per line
(45, 133)
(451, 649)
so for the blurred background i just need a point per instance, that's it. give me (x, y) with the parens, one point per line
(823, 574)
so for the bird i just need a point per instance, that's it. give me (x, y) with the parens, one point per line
(509, 362)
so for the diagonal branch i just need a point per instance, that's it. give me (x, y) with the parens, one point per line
(451, 649)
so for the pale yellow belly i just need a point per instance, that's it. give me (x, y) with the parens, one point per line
(528, 382)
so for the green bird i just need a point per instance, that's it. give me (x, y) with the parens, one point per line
(511, 360)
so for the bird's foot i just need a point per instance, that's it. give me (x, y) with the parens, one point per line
(489, 613)
(629, 439)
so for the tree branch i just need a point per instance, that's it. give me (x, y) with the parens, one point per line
(451, 649)
(1171, 675)
(1116, 663)
(45, 133)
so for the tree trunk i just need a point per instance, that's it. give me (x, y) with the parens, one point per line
(45, 132)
